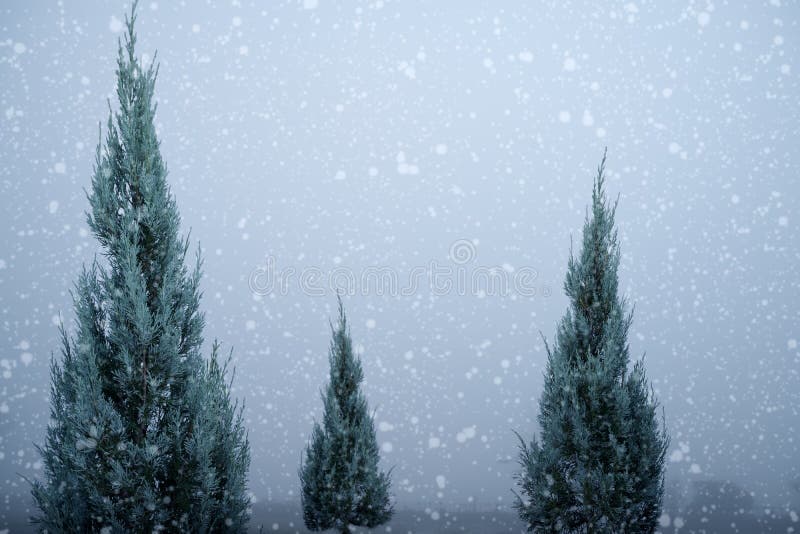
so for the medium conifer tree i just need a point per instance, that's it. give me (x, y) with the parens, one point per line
(143, 435)
(342, 484)
(598, 465)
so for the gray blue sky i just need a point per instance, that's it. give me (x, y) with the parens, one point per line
(347, 135)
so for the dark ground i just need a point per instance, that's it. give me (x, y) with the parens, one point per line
(287, 518)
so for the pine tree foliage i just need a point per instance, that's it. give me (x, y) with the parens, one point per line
(342, 484)
(598, 465)
(143, 434)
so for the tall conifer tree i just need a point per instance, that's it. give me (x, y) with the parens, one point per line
(144, 436)
(342, 484)
(598, 465)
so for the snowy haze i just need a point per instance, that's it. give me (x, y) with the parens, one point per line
(345, 136)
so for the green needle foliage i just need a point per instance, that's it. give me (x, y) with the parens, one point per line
(144, 436)
(599, 463)
(341, 481)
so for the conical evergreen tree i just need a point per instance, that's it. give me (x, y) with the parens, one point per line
(144, 436)
(341, 481)
(599, 463)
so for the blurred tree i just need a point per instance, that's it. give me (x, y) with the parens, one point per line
(341, 481)
(144, 436)
(599, 463)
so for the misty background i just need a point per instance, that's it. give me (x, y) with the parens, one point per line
(344, 136)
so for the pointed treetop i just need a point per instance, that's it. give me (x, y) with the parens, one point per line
(130, 38)
(599, 203)
(341, 325)
(598, 190)
(129, 41)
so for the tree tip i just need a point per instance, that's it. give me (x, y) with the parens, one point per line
(342, 316)
(600, 178)
(130, 37)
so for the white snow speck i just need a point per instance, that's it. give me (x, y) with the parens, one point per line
(53, 206)
(664, 520)
(115, 25)
(385, 426)
(340, 175)
(26, 358)
(370, 323)
(434, 443)
(19, 48)
(387, 446)
(465, 434)
(792, 343)
(695, 469)
(407, 69)
(409, 355)
(310, 4)
(441, 481)
(564, 116)
(403, 167)
(526, 56)
(630, 7)
(84, 444)
(569, 64)
(441, 149)
(703, 18)
(250, 325)
(60, 167)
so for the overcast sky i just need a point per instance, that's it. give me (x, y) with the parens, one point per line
(339, 137)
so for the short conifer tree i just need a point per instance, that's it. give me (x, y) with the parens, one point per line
(143, 435)
(342, 484)
(598, 465)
